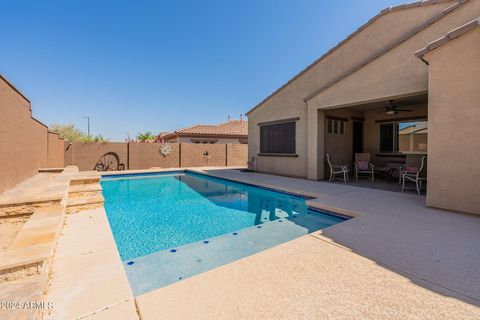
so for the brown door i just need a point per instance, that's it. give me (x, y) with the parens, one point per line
(357, 138)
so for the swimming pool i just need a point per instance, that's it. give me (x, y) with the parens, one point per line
(178, 224)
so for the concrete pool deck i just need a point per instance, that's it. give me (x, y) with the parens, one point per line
(396, 259)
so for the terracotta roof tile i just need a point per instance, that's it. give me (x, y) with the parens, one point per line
(229, 128)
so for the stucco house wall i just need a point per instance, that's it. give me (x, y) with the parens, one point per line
(454, 123)
(288, 102)
(375, 64)
(396, 73)
(340, 146)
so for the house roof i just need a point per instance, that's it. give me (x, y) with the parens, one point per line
(453, 34)
(235, 128)
(380, 14)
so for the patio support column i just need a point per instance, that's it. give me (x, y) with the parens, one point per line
(316, 143)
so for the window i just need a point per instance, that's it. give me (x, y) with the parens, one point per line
(203, 141)
(413, 136)
(404, 137)
(335, 126)
(278, 138)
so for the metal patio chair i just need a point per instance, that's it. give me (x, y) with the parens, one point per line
(363, 165)
(414, 175)
(335, 170)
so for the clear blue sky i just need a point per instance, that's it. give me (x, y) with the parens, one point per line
(161, 65)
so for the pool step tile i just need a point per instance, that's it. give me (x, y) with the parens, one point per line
(87, 179)
(84, 190)
(75, 205)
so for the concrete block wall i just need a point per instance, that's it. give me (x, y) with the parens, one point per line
(23, 140)
(55, 158)
(85, 155)
(237, 155)
(147, 155)
(134, 155)
(192, 155)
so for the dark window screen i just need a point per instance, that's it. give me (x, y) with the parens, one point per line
(278, 138)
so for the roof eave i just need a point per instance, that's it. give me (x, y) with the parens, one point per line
(380, 14)
(453, 34)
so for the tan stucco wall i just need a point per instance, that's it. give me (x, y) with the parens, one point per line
(454, 123)
(288, 102)
(339, 146)
(291, 166)
(23, 140)
(394, 74)
(398, 72)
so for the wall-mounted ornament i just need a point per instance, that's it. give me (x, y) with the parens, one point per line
(165, 150)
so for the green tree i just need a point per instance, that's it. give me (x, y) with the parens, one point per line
(68, 132)
(142, 137)
(71, 133)
(97, 138)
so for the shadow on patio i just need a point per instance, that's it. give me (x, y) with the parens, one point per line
(435, 249)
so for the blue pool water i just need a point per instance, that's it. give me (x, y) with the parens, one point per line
(175, 221)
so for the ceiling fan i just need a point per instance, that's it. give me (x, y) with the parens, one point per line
(392, 108)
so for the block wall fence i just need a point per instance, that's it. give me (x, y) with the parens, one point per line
(25, 143)
(135, 155)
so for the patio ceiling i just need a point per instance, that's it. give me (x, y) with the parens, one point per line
(410, 101)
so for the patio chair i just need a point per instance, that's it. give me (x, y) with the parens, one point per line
(412, 161)
(337, 170)
(363, 165)
(414, 174)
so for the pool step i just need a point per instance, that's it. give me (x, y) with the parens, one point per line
(75, 205)
(84, 190)
(86, 179)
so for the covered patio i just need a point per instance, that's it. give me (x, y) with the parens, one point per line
(386, 135)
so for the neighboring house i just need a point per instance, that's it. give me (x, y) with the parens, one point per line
(234, 131)
(424, 56)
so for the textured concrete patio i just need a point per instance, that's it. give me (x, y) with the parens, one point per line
(396, 260)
